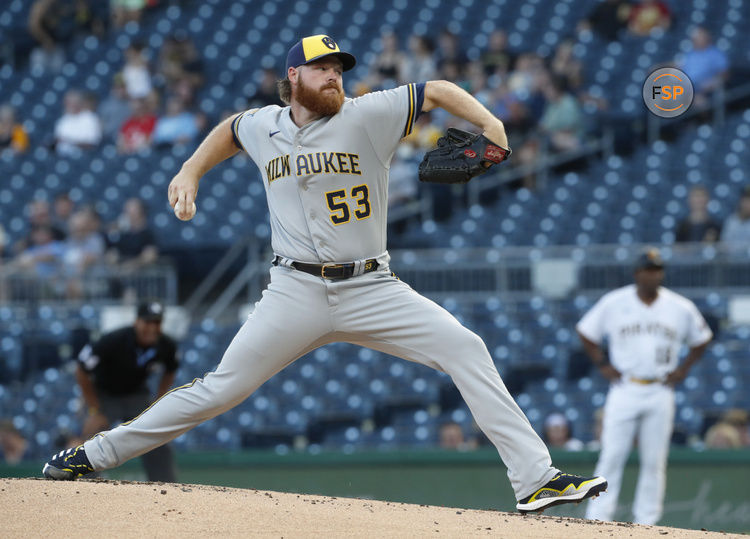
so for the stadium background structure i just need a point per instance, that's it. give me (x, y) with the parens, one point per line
(346, 398)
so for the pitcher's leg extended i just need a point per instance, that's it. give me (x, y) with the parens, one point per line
(262, 347)
(158, 463)
(391, 317)
(186, 406)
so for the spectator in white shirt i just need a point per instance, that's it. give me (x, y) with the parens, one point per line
(136, 73)
(78, 128)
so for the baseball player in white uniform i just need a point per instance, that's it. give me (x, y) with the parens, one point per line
(324, 161)
(646, 326)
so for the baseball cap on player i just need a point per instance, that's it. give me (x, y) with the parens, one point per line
(649, 259)
(151, 311)
(312, 48)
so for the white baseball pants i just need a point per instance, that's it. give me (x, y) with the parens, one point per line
(645, 411)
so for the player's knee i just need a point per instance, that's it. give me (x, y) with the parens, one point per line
(475, 344)
(219, 393)
(466, 346)
(465, 340)
(232, 396)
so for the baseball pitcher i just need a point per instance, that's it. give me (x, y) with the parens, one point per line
(324, 160)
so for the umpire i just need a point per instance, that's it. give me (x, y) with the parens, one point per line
(112, 373)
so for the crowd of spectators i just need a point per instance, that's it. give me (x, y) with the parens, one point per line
(731, 430)
(538, 99)
(700, 226)
(67, 244)
(151, 87)
(143, 109)
(52, 23)
(611, 19)
(147, 108)
(543, 101)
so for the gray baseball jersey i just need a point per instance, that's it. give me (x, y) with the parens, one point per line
(327, 182)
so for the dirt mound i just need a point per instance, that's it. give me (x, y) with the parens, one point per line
(39, 508)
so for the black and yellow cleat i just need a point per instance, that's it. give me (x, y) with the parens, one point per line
(563, 488)
(68, 465)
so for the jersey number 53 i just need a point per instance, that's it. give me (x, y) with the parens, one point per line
(340, 208)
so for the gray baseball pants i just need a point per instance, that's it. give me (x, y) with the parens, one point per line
(158, 463)
(298, 313)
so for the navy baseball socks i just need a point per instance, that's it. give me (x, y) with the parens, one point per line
(68, 465)
(563, 488)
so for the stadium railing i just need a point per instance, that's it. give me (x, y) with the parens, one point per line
(98, 285)
(518, 273)
(716, 107)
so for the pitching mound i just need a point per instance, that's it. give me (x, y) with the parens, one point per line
(39, 508)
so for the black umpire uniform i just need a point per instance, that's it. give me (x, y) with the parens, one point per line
(112, 374)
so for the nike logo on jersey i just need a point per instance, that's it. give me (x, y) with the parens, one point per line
(272, 133)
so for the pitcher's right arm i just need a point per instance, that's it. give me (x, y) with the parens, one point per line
(218, 146)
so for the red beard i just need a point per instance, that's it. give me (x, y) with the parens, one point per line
(325, 104)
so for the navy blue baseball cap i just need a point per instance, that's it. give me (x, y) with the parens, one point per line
(649, 259)
(313, 48)
(151, 311)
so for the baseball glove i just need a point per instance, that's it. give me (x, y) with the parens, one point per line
(459, 157)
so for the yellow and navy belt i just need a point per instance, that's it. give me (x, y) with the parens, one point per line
(645, 381)
(331, 270)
